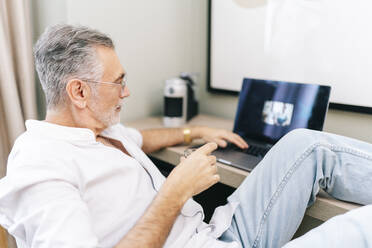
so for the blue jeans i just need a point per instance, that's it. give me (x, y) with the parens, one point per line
(274, 197)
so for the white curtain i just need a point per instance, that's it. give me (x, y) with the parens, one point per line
(17, 81)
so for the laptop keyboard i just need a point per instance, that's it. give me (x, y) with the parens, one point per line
(253, 150)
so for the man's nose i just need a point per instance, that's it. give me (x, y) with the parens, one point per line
(125, 92)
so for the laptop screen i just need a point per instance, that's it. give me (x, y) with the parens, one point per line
(267, 110)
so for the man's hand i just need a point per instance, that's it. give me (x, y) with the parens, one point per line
(219, 136)
(155, 139)
(196, 173)
(192, 176)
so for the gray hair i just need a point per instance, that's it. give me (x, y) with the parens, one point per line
(64, 52)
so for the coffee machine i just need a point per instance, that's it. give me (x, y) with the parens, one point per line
(180, 103)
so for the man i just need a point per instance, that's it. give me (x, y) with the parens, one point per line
(79, 179)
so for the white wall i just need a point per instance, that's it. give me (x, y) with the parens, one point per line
(44, 13)
(155, 40)
(158, 39)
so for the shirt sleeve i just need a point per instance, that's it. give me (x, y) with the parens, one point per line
(45, 210)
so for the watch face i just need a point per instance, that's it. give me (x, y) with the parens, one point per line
(187, 135)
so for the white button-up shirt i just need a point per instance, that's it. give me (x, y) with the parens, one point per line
(65, 189)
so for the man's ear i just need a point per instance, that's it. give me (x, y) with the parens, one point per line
(78, 92)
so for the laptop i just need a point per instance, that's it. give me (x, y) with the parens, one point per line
(267, 110)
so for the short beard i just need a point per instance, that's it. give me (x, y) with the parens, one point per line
(107, 118)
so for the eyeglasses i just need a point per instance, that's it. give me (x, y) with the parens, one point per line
(122, 83)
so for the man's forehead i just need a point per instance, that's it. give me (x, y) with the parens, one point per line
(112, 68)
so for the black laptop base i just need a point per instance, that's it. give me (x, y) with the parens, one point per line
(246, 159)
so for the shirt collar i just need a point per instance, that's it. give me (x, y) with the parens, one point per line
(59, 131)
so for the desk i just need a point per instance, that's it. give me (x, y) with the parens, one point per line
(324, 208)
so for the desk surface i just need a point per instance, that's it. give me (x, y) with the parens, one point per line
(324, 208)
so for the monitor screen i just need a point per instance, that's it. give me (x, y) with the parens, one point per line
(267, 109)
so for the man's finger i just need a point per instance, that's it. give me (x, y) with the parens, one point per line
(241, 140)
(237, 140)
(221, 142)
(207, 148)
(233, 139)
(212, 159)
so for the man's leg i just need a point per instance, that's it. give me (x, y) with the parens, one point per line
(353, 229)
(274, 197)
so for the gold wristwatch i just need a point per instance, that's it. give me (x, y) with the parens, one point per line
(187, 135)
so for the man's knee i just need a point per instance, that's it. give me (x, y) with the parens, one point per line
(300, 133)
(300, 138)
